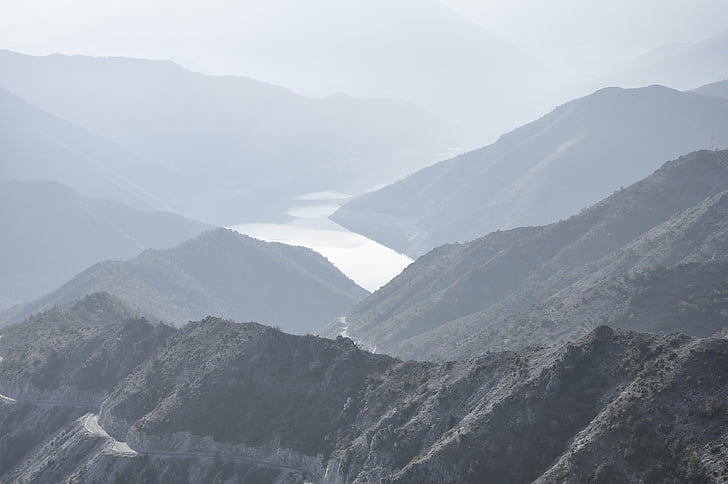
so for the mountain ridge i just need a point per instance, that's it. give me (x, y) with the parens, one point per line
(218, 272)
(258, 145)
(50, 232)
(541, 172)
(458, 291)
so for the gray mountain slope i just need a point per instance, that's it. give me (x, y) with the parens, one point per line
(70, 360)
(542, 172)
(50, 233)
(718, 89)
(613, 406)
(465, 292)
(228, 147)
(217, 273)
(36, 145)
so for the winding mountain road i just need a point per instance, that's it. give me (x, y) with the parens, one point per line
(91, 425)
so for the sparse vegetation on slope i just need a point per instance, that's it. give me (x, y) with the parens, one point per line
(613, 406)
(515, 288)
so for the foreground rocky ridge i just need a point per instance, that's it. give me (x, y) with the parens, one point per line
(248, 400)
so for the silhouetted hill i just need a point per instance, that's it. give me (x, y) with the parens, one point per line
(228, 149)
(521, 287)
(50, 233)
(37, 145)
(613, 406)
(217, 273)
(542, 172)
(718, 89)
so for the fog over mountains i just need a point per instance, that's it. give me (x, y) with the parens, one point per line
(220, 149)
(37, 145)
(69, 232)
(417, 51)
(561, 309)
(681, 65)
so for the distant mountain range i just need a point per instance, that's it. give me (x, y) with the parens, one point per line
(37, 145)
(226, 149)
(679, 65)
(217, 400)
(422, 52)
(542, 172)
(650, 257)
(219, 272)
(718, 89)
(50, 233)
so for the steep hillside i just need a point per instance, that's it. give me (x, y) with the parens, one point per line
(614, 406)
(66, 353)
(37, 145)
(542, 172)
(229, 149)
(50, 233)
(217, 273)
(462, 299)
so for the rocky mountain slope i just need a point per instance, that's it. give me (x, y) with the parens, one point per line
(543, 285)
(219, 272)
(50, 233)
(613, 406)
(64, 353)
(542, 172)
(225, 149)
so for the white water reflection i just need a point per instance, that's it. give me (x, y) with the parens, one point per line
(312, 211)
(366, 262)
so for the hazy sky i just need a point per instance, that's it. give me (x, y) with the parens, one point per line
(487, 65)
(578, 31)
(575, 35)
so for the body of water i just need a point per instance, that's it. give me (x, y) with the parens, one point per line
(366, 262)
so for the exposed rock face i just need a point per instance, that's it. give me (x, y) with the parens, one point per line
(244, 401)
(219, 272)
(545, 285)
(23, 427)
